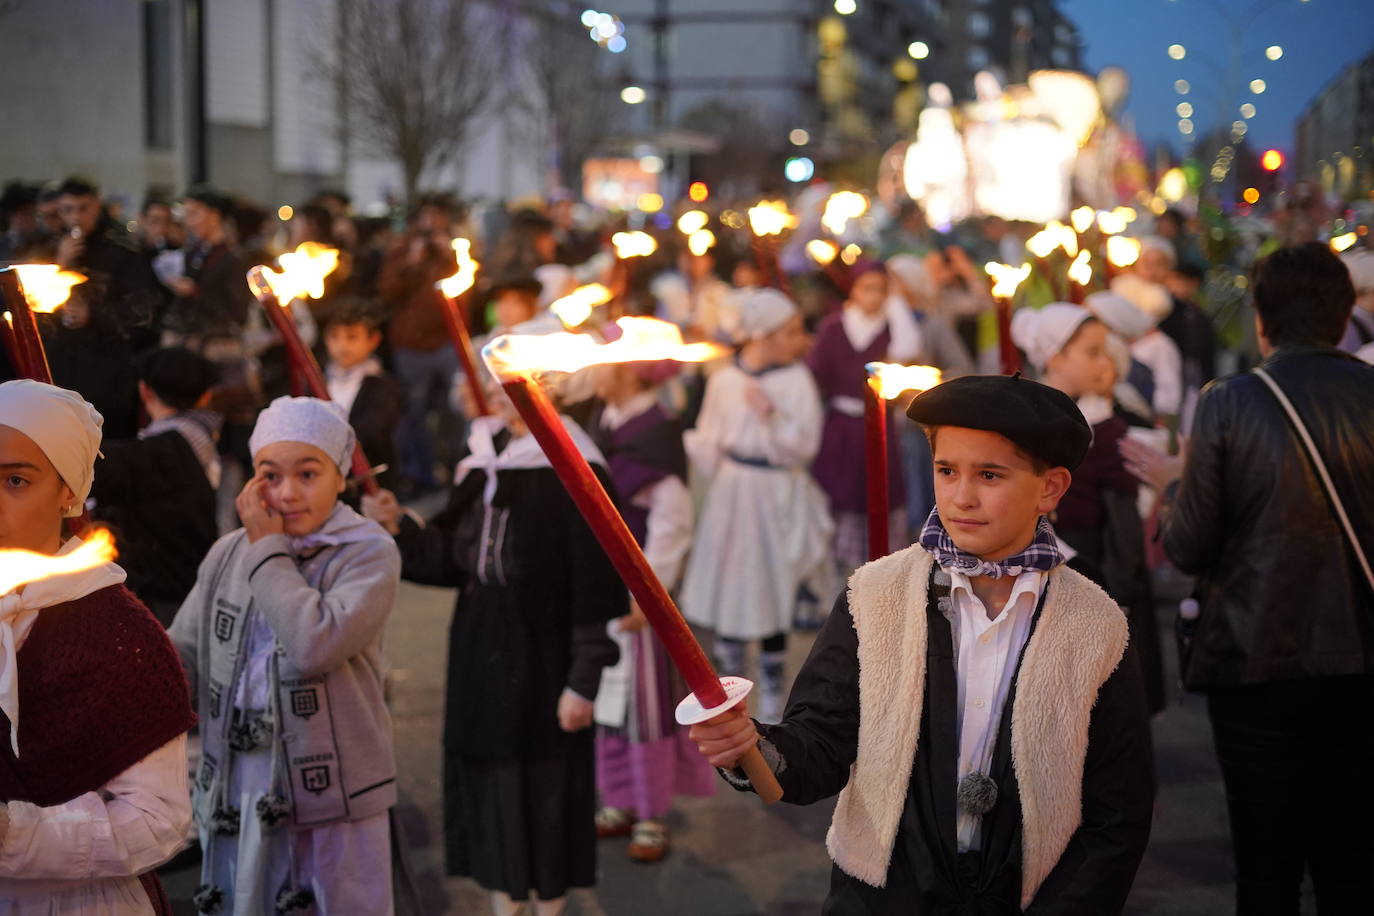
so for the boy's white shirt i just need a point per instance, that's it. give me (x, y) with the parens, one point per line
(344, 384)
(986, 653)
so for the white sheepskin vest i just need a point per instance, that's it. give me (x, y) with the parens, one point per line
(1076, 645)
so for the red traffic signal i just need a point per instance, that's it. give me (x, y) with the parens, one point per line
(1272, 160)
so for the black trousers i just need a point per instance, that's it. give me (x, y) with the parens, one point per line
(1297, 758)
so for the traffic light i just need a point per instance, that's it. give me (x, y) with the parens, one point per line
(1272, 160)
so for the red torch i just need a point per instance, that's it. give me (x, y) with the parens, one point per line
(1005, 281)
(885, 382)
(515, 360)
(302, 274)
(453, 292)
(768, 220)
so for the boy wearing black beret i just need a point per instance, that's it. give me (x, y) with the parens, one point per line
(970, 698)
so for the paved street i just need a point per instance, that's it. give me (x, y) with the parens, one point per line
(734, 857)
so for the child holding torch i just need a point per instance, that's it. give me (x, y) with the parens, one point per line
(970, 698)
(282, 641)
(93, 792)
(527, 646)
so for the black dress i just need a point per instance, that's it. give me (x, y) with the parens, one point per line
(818, 739)
(535, 594)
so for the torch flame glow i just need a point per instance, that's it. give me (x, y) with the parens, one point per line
(633, 244)
(1112, 222)
(302, 272)
(1005, 278)
(1340, 243)
(840, 208)
(692, 221)
(1122, 251)
(462, 279)
(47, 286)
(701, 241)
(21, 567)
(1082, 219)
(1081, 271)
(641, 340)
(822, 252)
(893, 378)
(1054, 235)
(771, 217)
(576, 307)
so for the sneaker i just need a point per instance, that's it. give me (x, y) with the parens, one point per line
(649, 842)
(614, 822)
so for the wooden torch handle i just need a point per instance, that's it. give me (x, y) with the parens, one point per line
(761, 776)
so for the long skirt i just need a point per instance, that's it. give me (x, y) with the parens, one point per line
(526, 823)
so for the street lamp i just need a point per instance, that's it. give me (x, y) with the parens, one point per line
(1178, 52)
(1258, 86)
(918, 50)
(1273, 52)
(1182, 87)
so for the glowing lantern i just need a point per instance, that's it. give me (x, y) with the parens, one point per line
(576, 307)
(840, 208)
(633, 244)
(771, 217)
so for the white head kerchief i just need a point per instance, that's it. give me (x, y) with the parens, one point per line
(759, 312)
(322, 424)
(20, 608)
(1043, 332)
(62, 425)
(1119, 314)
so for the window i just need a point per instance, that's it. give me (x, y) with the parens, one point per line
(158, 120)
(978, 58)
(978, 25)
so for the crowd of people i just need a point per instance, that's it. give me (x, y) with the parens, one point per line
(1030, 518)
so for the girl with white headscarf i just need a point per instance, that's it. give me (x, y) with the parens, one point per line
(93, 787)
(281, 637)
(764, 531)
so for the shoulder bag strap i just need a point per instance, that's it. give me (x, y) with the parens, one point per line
(1321, 471)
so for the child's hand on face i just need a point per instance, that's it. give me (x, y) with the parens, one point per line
(726, 738)
(384, 510)
(258, 517)
(574, 712)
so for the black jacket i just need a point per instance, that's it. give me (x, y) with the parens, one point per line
(124, 294)
(1281, 592)
(155, 496)
(374, 415)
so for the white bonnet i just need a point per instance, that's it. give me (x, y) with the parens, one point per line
(312, 421)
(760, 312)
(1119, 314)
(1043, 332)
(62, 424)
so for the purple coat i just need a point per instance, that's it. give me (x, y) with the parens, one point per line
(839, 465)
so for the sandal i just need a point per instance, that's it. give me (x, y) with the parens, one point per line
(614, 822)
(649, 841)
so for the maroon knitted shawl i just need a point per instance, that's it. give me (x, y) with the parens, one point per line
(100, 688)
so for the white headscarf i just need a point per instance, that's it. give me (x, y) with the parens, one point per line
(1360, 263)
(1151, 298)
(1043, 332)
(759, 312)
(62, 425)
(1119, 314)
(322, 424)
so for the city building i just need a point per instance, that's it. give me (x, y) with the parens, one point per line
(1334, 142)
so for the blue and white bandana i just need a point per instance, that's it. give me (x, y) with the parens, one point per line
(1043, 553)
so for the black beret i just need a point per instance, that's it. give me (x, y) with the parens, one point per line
(1042, 421)
(520, 282)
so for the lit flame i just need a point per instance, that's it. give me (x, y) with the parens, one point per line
(692, 221)
(576, 307)
(1080, 271)
(1113, 222)
(1005, 278)
(1342, 242)
(1126, 213)
(1054, 235)
(302, 272)
(771, 217)
(840, 208)
(641, 340)
(893, 378)
(22, 567)
(1082, 219)
(47, 286)
(633, 244)
(822, 252)
(701, 241)
(850, 254)
(1122, 251)
(462, 279)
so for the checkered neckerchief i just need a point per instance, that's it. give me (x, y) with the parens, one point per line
(1042, 553)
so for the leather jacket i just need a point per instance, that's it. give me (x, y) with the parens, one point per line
(1281, 592)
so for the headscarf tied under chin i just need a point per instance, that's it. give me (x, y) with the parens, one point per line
(311, 421)
(63, 426)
